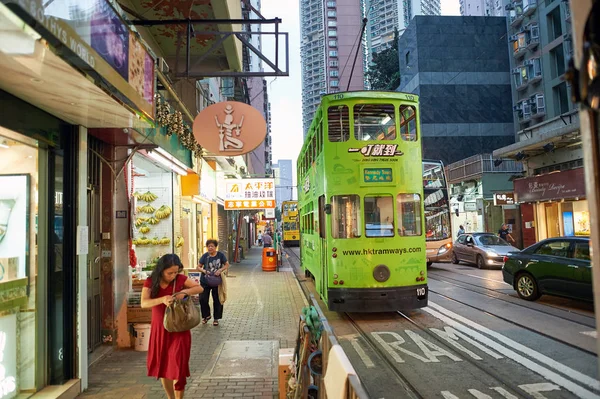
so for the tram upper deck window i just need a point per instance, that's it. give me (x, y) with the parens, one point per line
(345, 216)
(338, 123)
(374, 122)
(409, 214)
(379, 216)
(408, 123)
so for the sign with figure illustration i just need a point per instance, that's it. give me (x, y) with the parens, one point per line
(249, 194)
(230, 128)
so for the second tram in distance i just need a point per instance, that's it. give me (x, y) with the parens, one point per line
(289, 223)
(360, 198)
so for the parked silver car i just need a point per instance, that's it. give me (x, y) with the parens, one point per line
(482, 249)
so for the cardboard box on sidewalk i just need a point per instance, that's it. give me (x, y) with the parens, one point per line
(136, 314)
(286, 355)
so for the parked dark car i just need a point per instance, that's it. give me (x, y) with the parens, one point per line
(481, 249)
(555, 266)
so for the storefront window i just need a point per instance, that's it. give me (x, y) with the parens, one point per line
(153, 223)
(409, 214)
(18, 262)
(345, 216)
(379, 216)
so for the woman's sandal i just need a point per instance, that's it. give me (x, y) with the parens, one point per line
(216, 323)
(206, 319)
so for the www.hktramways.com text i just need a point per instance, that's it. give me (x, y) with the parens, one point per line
(372, 251)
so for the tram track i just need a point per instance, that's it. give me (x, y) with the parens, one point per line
(502, 296)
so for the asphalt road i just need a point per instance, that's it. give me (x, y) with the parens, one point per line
(476, 339)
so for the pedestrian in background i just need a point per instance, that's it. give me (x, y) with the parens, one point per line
(505, 234)
(267, 240)
(461, 230)
(168, 352)
(260, 237)
(212, 263)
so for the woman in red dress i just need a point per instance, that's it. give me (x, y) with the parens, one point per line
(168, 353)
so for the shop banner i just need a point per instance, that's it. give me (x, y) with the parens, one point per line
(504, 199)
(249, 194)
(551, 186)
(94, 31)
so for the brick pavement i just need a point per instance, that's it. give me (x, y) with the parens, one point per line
(260, 306)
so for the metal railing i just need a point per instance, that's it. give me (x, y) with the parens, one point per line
(479, 164)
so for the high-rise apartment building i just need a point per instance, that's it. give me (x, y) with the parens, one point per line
(482, 8)
(385, 16)
(330, 40)
(284, 183)
(547, 123)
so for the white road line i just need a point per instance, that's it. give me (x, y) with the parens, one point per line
(593, 334)
(546, 373)
(353, 338)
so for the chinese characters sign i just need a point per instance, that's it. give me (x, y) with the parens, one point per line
(378, 150)
(249, 194)
(551, 186)
(504, 199)
(377, 175)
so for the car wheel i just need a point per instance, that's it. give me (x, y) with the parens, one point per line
(527, 287)
(480, 262)
(429, 264)
(455, 258)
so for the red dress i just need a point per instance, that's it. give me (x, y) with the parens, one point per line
(168, 353)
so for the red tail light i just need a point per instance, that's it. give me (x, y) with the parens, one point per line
(505, 259)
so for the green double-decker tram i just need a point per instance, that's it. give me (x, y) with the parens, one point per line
(360, 199)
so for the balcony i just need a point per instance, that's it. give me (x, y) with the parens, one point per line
(529, 7)
(519, 52)
(522, 85)
(474, 167)
(533, 43)
(516, 19)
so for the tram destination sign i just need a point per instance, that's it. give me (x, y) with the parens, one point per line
(249, 194)
(377, 175)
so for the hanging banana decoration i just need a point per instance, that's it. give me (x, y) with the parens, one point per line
(179, 242)
(163, 212)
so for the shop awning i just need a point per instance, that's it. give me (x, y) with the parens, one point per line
(207, 51)
(551, 186)
(560, 131)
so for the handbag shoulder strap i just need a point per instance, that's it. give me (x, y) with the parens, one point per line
(175, 284)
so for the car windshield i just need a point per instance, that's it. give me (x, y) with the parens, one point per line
(489, 240)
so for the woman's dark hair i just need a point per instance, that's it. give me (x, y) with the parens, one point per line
(212, 241)
(165, 262)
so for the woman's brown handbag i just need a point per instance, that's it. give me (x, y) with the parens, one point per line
(181, 315)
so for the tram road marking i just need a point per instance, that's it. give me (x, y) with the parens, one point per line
(536, 368)
(532, 389)
(569, 372)
(593, 334)
(353, 338)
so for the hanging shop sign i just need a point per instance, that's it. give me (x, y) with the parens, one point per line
(551, 186)
(504, 199)
(96, 35)
(470, 206)
(230, 128)
(249, 194)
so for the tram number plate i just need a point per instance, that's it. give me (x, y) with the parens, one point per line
(421, 291)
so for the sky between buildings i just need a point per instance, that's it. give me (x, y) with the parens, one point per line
(285, 93)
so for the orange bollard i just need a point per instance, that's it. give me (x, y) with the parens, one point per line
(269, 259)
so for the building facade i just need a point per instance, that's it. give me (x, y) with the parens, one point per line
(475, 184)
(385, 16)
(330, 32)
(546, 122)
(482, 8)
(459, 67)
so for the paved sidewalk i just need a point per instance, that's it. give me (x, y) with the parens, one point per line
(260, 307)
